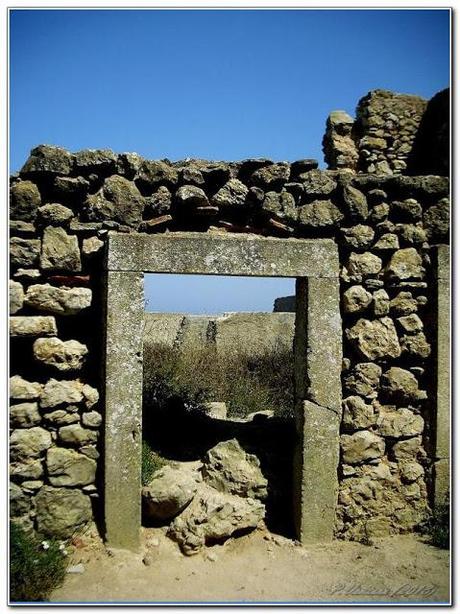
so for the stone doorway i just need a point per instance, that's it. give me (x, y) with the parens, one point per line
(317, 357)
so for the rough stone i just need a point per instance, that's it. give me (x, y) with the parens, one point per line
(361, 447)
(63, 392)
(24, 201)
(403, 304)
(410, 234)
(363, 265)
(54, 215)
(26, 468)
(103, 162)
(407, 449)
(416, 345)
(356, 203)
(159, 203)
(188, 197)
(19, 502)
(375, 339)
(62, 511)
(408, 210)
(364, 379)
(356, 299)
(32, 326)
(153, 173)
(24, 415)
(76, 435)
(24, 252)
(91, 395)
(60, 251)
(69, 468)
(400, 385)
(380, 303)
(92, 419)
(62, 355)
(228, 468)
(213, 516)
(27, 274)
(388, 241)
(318, 183)
(271, 176)
(59, 301)
(91, 246)
(399, 423)
(405, 264)
(90, 452)
(436, 221)
(70, 189)
(21, 389)
(169, 492)
(411, 471)
(16, 296)
(357, 414)
(48, 160)
(281, 205)
(319, 214)
(232, 195)
(60, 417)
(128, 163)
(118, 200)
(29, 443)
(411, 323)
(359, 236)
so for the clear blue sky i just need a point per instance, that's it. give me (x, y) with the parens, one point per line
(212, 84)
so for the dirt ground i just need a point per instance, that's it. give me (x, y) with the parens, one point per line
(260, 568)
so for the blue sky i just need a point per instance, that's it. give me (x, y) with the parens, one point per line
(211, 84)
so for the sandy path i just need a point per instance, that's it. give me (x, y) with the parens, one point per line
(263, 568)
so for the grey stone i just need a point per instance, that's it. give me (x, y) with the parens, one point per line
(232, 195)
(356, 203)
(69, 468)
(62, 511)
(357, 414)
(93, 419)
(79, 568)
(411, 471)
(19, 501)
(29, 443)
(32, 485)
(375, 339)
(118, 200)
(407, 449)
(193, 176)
(400, 385)
(388, 241)
(364, 379)
(405, 264)
(24, 252)
(70, 189)
(403, 304)
(410, 234)
(59, 301)
(318, 183)
(21, 389)
(60, 417)
(90, 452)
(159, 203)
(380, 303)
(76, 435)
(63, 392)
(356, 299)
(358, 237)
(128, 164)
(379, 212)
(408, 210)
(319, 214)
(281, 205)
(400, 422)
(213, 516)
(228, 468)
(60, 251)
(33, 326)
(16, 296)
(436, 221)
(169, 492)
(26, 469)
(271, 176)
(91, 246)
(24, 201)
(24, 415)
(100, 161)
(363, 265)
(54, 215)
(49, 160)
(416, 345)
(361, 447)
(188, 197)
(62, 355)
(152, 174)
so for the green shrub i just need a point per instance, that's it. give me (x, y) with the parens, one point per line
(151, 462)
(439, 528)
(195, 376)
(36, 567)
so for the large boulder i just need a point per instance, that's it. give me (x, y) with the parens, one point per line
(60, 251)
(213, 516)
(60, 301)
(54, 214)
(189, 197)
(318, 183)
(169, 492)
(61, 511)
(228, 468)
(48, 160)
(62, 355)
(69, 468)
(24, 201)
(374, 339)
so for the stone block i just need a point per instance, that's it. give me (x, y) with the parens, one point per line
(33, 326)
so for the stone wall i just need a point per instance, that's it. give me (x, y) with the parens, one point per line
(62, 207)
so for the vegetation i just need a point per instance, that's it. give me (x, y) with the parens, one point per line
(195, 376)
(439, 528)
(151, 462)
(36, 567)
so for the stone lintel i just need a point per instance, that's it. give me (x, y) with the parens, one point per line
(226, 254)
(123, 408)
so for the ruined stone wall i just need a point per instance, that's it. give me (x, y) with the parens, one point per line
(62, 207)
